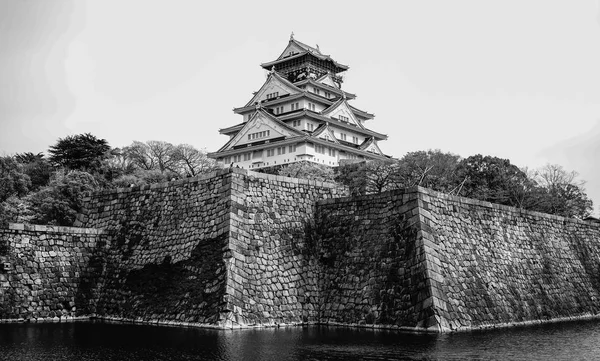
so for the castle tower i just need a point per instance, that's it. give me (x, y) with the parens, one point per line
(299, 114)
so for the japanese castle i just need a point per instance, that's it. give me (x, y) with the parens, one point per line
(299, 114)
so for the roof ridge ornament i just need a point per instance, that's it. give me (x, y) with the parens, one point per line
(272, 69)
(292, 36)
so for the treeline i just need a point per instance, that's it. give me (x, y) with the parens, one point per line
(48, 190)
(549, 189)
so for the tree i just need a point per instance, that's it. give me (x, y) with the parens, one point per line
(152, 155)
(138, 153)
(13, 210)
(563, 194)
(79, 152)
(353, 175)
(12, 179)
(367, 177)
(60, 201)
(491, 179)
(191, 161)
(163, 154)
(308, 170)
(37, 167)
(381, 175)
(431, 169)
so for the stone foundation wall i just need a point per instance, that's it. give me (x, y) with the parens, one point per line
(237, 248)
(273, 279)
(372, 263)
(499, 265)
(44, 273)
(419, 258)
(166, 260)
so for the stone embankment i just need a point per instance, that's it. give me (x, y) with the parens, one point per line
(44, 272)
(242, 249)
(455, 263)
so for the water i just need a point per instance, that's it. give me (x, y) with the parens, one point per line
(101, 341)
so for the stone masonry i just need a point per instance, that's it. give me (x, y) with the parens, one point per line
(44, 274)
(241, 249)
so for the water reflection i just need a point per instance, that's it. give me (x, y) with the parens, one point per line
(99, 341)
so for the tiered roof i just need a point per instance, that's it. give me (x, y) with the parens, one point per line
(297, 49)
(334, 114)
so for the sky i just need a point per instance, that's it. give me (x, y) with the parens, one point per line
(511, 79)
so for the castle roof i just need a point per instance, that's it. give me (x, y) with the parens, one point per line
(296, 49)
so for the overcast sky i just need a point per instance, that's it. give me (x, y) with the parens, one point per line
(513, 79)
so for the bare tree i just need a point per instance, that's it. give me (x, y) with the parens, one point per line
(139, 154)
(163, 155)
(191, 161)
(564, 194)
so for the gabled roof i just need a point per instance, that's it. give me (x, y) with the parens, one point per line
(303, 94)
(324, 132)
(326, 79)
(362, 113)
(299, 49)
(341, 106)
(325, 87)
(296, 46)
(307, 113)
(274, 81)
(370, 143)
(263, 120)
(232, 129)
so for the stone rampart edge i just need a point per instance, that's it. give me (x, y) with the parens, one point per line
(53, 229)
(463, 200)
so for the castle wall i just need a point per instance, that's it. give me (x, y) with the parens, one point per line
(450, 263)
(166, 260)
(46, 275)
(274, 279)
(237, 248)
(372, 263)
(499, 265)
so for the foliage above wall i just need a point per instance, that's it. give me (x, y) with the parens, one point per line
(36, 189)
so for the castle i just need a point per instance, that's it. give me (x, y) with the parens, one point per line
(237, 248)
(299, 114)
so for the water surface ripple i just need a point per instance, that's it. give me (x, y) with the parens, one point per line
(103, 341)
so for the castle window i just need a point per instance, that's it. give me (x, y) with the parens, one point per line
(327, 95)
(292, 148)
(331, 152)
(343, 118)
(342, 136)
(355, 140)
(319, 149)
(272, 95)
(270, 152)
(247, 156)
(310, 126)
(258, 135)
(311, 106)
(297, 123)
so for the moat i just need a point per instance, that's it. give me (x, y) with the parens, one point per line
(104, 341)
